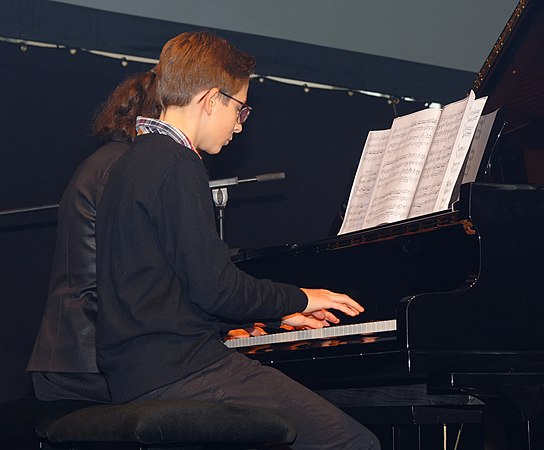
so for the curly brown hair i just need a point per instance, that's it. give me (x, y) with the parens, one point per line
(116, 118)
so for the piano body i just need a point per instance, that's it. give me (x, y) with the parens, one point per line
(459, 293)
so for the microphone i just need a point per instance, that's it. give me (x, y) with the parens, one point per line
(234, 181)
(220, 194)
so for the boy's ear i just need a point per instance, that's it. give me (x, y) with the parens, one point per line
(210, 100)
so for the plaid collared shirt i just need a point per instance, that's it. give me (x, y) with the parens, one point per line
(145, 125)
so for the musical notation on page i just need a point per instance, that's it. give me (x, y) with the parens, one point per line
(412, 169)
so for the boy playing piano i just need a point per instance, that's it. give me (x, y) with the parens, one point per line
(166, 285)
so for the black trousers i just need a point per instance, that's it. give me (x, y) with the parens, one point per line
(70, 386)
(237, 379)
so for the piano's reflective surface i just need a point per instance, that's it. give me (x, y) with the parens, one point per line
(460, 292)
(453, 282)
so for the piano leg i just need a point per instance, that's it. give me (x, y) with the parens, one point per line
(515, 399)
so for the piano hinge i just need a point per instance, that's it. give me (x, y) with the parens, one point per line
(501, 41)
(468, 226)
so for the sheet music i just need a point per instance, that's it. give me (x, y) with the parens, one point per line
(438, 158)
(459, 152)
(364, 181)
(401, 167)
(477, 148)
(420, 167)
(446, 155)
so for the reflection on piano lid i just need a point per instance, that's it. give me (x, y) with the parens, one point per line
(322, 333)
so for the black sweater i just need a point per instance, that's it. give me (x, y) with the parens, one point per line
(165, 279)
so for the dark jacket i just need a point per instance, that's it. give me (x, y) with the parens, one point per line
(66, 339)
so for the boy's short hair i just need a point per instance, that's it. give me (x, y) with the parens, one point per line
(195, 61)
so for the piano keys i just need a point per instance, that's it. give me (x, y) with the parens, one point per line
(335, 331)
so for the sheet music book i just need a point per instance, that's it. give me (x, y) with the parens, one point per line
(478, 146)
(412, 168)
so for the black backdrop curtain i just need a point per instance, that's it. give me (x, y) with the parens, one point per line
(49, 97)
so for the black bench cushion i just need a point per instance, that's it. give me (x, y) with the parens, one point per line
(171, 421)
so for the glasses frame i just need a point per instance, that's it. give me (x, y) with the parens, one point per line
(243, 112)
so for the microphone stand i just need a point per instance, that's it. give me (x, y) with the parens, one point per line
(220, 197)
(220, 193)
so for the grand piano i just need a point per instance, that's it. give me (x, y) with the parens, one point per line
(453, 299)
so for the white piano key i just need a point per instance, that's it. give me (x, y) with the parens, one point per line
(322, 333)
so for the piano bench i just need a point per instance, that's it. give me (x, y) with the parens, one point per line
(153, 423)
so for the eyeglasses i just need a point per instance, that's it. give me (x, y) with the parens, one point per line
(243, 112)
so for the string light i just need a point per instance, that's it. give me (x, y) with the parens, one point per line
(307, 86)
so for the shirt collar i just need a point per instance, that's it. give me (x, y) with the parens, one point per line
(146, 125)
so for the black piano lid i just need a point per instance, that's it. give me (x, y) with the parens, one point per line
(513, 73)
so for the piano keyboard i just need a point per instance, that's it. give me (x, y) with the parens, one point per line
(321, 333)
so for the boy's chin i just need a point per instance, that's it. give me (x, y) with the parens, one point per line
(212, 151)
